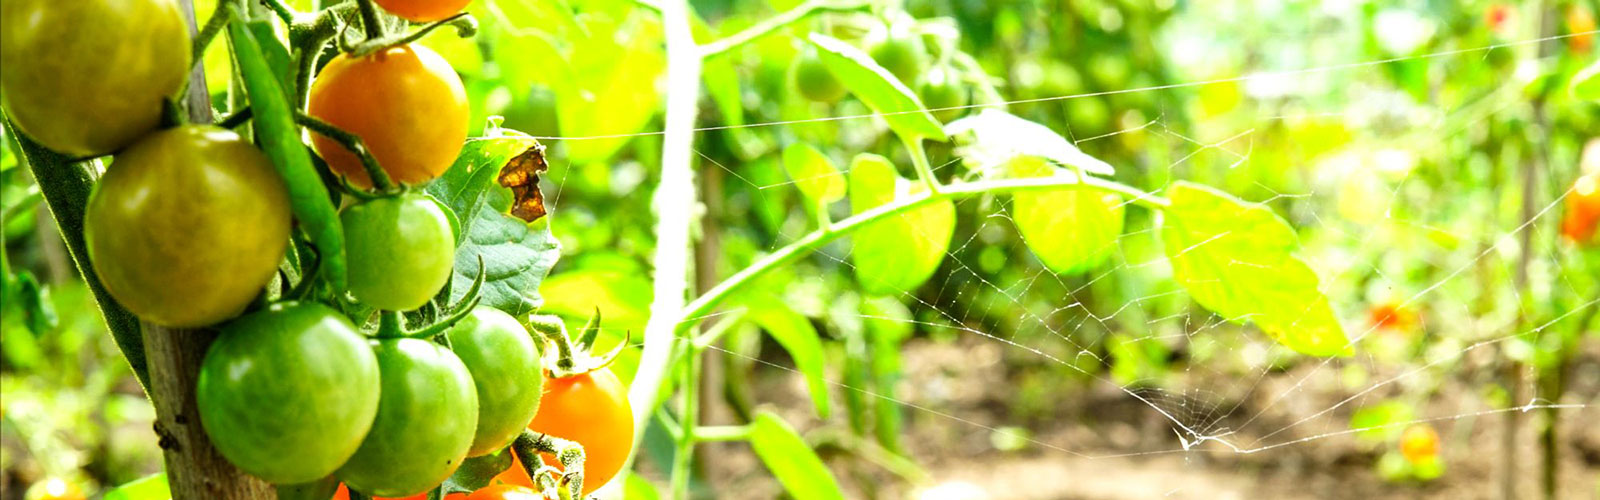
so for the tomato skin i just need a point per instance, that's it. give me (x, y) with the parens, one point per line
(423, 11)
(187, 226)
(506, 370)
(592, 409)
(400, 250)
(1583, 210)
(97, 90)
(407, 105)
(813, 78)
(941, 92)
(903, 54)
(1419, 443)
(427, 412)
(319, 376)
(506, 492)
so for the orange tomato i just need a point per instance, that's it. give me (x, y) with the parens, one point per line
(1391, 316)
(506, 492)
(405, 103)
(1580, 20)
(1583, 210)
(592, 409)
(1419, 443)
(423, 11)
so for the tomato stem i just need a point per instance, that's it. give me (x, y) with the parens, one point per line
(774, 23)
(466, 27)
(352, 142)
(389, 325)
(569, 454)
(369, 19)
(219, 19)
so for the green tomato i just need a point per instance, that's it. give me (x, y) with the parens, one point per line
(400, 251)
(87, 77)
(187, 226)
(505, 367)
(427, 416)
(903, 54)
(287, 394)
(944, 93)
(813, 79)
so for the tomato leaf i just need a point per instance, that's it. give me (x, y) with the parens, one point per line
(999, 137)
(813, 173)
(794, 332)
(878, 88)
(794, 463)
(1586, 84)
(279, 137)
(152, 487)
(612, 91)
(516, 255)
(1072, 229)
(897, 254)
(1236, 259)
(477, 472)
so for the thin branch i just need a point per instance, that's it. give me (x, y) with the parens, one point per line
(352, 142)
(284, 12)
(773, 23)
(369, 19)
(466, 26)
(219, 19)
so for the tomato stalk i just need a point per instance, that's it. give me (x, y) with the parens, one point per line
(466, 27)
(352, 142)
(370, 22)
(569, 454)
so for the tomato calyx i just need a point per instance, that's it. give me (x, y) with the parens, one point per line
(572, 357)
(563, 483)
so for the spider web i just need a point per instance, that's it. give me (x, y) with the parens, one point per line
(1232, 392)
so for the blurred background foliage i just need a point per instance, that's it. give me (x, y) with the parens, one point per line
(1392, 135)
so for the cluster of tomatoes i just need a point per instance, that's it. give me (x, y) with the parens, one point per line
(904, 53)
(189, 224)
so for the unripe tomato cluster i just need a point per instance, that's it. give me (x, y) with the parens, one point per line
(904, 54)
(190, 223)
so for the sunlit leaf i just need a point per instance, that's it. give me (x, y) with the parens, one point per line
(1236, 259)
(152, 487)
(795, 465)
(1586, 84)
(876, 87)
(897, 254)
(813, 173)
(795, 333)
(613, 92)
(999, 137)
(1072, 229)
(517, 255)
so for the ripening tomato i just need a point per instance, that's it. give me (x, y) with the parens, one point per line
(1580, 24)
(407, 105)
(427, 412)
(400, 250)
(187, 226)
(505, 367)
(319, 376)
(592, 409)
(1392, 316)
(87, 77)
(506, 492)
(813, 78)
(54, 488)
(423, 11)
(1419, 443)
(1583, 210)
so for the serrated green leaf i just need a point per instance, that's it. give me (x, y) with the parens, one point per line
(813, 173)
(516, 255)
(1237, 260)
(1072, 229)
(795, 333)
(152, 487)
(794, 463)
(897, 254)
(879, 89)
(999, 137)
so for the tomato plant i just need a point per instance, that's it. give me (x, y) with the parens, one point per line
(1419, 443)
(592, 409)
(813, 79)
(902, 53)
(405, 103)
(104, 89)
(943, 92)
(1582, 210)
(423, 11)
(427, 411)
(506, 371)
(188, 226)
(287, 394)
(400, 250)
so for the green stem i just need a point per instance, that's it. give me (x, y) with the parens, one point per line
(219, 19)
(352, 142)
(389, 325)
(369, 19)
(569, 454)
(773, 23)
(715, 433)
(466, 26)
(283, 11)
(919, 158)
(555, 332)
(700, 307)
(65, 186)
(688, 415)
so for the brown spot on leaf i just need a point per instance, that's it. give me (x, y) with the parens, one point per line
(521, 174)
